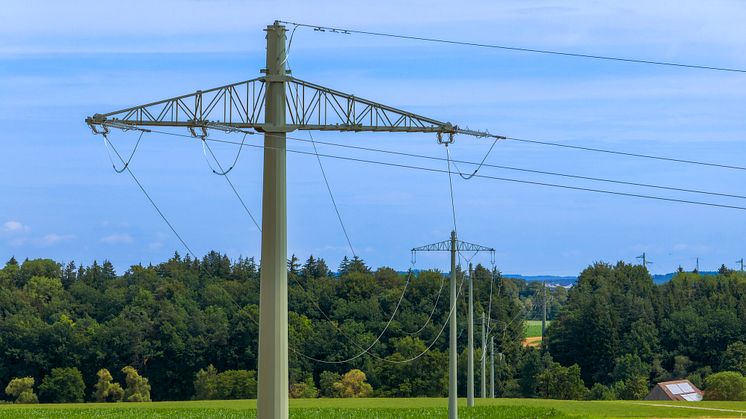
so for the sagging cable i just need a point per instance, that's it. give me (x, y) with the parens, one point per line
(108, 145)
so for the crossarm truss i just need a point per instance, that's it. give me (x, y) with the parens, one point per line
(445, 246)
(309, 107)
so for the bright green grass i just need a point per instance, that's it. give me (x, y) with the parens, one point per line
(532, 328)
(383, 409)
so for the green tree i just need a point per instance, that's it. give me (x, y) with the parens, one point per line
(528, 372)
(726, 385)
(236, 384)
(326, 383)
(353, 385)
(562, 383)
(138, 388)
(734, 358)
(205, 384)
(63, 385)
(105, 390)
(22, 389)
(601, 392)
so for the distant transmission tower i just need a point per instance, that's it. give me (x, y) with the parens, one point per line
(454, 246)
(741, 262)
(645, 261)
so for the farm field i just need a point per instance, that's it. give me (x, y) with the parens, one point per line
(533, 328)
(386, 408)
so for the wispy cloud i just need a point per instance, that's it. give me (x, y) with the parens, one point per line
(47, 240)
(15, 227)
(118, 239)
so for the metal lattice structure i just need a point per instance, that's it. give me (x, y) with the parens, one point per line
(461, 246)
(309, 107)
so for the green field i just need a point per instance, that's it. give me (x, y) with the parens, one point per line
(385, 408)
(532, 328)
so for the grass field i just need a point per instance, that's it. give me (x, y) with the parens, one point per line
(386, 408)
(532, 328)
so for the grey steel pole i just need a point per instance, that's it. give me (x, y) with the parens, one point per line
(272, 386)
(492, 367)
(484, 358)
(544, 318)
(470, 352)
(453, 335)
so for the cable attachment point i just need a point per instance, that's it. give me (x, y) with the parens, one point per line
(447, 141)
(202, 135)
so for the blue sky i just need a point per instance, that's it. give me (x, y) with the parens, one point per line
(60, 63)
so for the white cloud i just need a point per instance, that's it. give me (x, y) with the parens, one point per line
(15, 227)
(118, 239)
(53, 238)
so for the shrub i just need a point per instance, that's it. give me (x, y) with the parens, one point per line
(105, 390)
(326, 383)
(227, 385)
(304, 390)
(22, 389)
(726, 385)
(63, 385)
(601, 392)
(236, 384)
(633, 388)
(138, 388)
(353, 385)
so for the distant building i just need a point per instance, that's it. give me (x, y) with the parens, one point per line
(681, 390)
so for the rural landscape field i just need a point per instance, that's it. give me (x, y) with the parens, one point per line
(398, 408)
(372, 209)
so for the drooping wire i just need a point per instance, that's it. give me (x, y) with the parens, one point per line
(111, 158)
(147, 195)
(223, 172)
(290, 44)
(331, 195)
(227, 179)
(519, 49)
(467, 177)
(432, 312)
(365, 350)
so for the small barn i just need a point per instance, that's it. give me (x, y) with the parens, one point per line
(681, 390)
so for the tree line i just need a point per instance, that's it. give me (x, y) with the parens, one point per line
(190, 325)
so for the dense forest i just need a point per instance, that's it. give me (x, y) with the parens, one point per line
(189, 327)
(171, 320)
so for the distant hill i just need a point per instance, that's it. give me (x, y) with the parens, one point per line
(552, 280)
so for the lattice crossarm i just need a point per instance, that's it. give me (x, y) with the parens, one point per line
(237, 105)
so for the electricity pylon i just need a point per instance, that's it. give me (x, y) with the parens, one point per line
(275, 104)
(453, 246)
(645, 261)
(741, 262)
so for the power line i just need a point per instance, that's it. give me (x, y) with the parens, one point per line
(519, 169)
(504, 179)
(331, 195)
(519, 49)
(147, 195)
(623, 153)
(224, 174)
